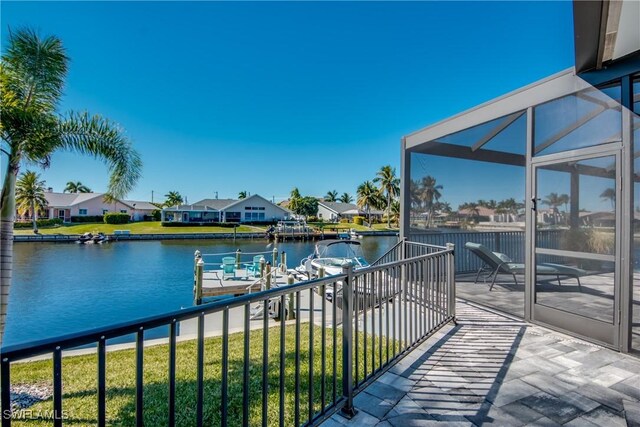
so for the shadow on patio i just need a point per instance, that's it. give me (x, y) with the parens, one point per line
(491, 369)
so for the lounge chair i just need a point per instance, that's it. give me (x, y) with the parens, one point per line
(228, 267)
(254, 267)
(497, 263)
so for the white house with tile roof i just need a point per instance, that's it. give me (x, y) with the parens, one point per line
(334, 211)
(254, 208)
(68, 205)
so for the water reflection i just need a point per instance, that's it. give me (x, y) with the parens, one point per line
(63, 288)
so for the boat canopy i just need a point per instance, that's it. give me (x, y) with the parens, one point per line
(338, 241)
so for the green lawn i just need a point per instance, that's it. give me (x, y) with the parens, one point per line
(138, 228)
(80, 383)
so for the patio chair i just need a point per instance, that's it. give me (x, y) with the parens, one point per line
(228, 267)
(497, 263)
(254, 267)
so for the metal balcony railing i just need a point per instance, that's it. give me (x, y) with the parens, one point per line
(366, 320)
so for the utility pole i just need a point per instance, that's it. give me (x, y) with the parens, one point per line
(151, 196)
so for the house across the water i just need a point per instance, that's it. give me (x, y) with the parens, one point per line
(335, 211)
(68, 206)
(254, 208)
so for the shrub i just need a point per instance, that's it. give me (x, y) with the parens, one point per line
(54, 222)
(358, 220)
(155, 215)
(116, 218)
(89, 218)
(344, 220)
(312, 218)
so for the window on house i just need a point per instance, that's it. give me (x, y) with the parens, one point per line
(82, 211)
(123, 211)
(104, 211)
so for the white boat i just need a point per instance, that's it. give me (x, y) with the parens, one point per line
(332, 255)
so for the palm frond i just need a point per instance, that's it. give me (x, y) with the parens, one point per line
(96, 136)
(35, 69)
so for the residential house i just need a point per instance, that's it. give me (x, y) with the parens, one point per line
(254, 208)
(335, 211)
(68, 205)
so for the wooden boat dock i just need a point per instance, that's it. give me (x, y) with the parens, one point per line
(214, 285)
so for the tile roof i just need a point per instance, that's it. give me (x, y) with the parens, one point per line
(69, 199)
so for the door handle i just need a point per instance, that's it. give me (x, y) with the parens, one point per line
(534, 205)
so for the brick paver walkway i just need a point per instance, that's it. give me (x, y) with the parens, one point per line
(492, 370)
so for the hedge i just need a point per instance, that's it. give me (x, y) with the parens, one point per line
(88, 218)
(358, 220)
(40, 223)
(116, 218)
(196, 224)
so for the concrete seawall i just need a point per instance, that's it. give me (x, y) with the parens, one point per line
(70, 238)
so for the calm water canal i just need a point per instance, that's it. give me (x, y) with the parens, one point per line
(63, 288)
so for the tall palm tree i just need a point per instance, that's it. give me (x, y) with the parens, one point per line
(30, 196)
(368, 197)
(242, 195)
(553, 200)
(32, 76)
(346, 198)
(294, 199)
(331, 196)
(395, 211)
(430, 194)
(173, 198)
(609, 194)
(389, 186)
(76, 187)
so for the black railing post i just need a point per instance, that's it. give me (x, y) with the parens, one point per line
(5, 391)
(451, 280)
(348, 410)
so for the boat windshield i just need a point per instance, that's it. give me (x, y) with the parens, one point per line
(343, 250)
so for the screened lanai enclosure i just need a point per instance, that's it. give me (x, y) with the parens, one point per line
(556, 161)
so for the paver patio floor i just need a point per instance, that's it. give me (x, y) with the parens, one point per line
(493, 370)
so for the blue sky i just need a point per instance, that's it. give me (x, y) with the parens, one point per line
(264, 96)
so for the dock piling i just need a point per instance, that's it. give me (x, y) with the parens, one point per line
(262, 267)
(238, 254)
(268, 273)
(274, 258)
(283, 260)
(198, 280)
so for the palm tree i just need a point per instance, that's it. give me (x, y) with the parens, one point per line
(76, 187)
(368, 197)
(430, 194)
(32, 77)
(174, 198)
(389, 185)
(553, 200)
(331, 196)
(395, 211)
(346, 198)
(609, 194)
(415, 194)
(294, 199)
(242, 195)
(30, 196)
